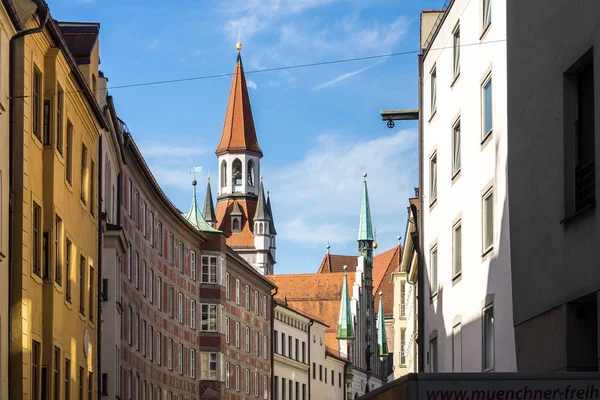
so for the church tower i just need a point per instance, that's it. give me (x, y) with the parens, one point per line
(242, 211)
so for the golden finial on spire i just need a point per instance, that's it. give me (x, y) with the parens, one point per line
(238, 46)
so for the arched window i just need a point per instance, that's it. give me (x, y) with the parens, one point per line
(261, 229)
(236, 172)
(250, 172)
(224, 173)
(235, 225)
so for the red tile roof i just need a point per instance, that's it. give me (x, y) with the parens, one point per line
(335, 263)
(244, 238)
(238, 129)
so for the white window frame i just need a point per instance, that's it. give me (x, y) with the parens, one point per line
(433, 270)
(180, 359)
(247, 295)
(193, 314)
(265, 306)
(207, 275)
(433, 178)
(433, 90)
(171, 301)
(265, 347)
(237, 378)
(193, 265)
(158, 348)
(485, 224)
(207, 360)
(486, 328)
(237, 291)
(181, 258)
(227, 322)
(256, 302)
(159, 292)
(486, 15)
(484, 110)
(237, 334)
(227, 372)
(256, 384)
(209, 310)
(151, 342)
(247, 381)
(457, 249)
(170, 354)
(227, 288)
(151, 286)
(247, 342)
(180, 308)
(192, 363)
(456, 148)
(456, 52)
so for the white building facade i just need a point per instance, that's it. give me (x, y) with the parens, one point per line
(468, 324)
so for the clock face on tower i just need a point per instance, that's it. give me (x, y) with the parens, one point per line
(86, 343)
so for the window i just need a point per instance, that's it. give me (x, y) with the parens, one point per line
(84, 176)
(433, 271)
(283, 391)
(276, 388)
(181, 258)
(487, 108)
(80, 380)
(247, 297)
(193, 265)
(193, 314)
(223, 173)
(171, 249)
(265, 387)
(265, 347)
(67, 379)
(227, 323)
(296, 348)
(456, 249)
(192, 363)
(59, 122)
(180, 359)
(130, 323)
(256, 349)
(580, 169)
(456, 51)
(247, 384)
(433, 84)
(159, 293)
(298, 389)
(129, 261)
(170, 354)
(237, 378)
(433, 355)
(289, 346)
(227, 383)
(247, 342)
(488, 220)
(403, 299)
(56, 372)
(256, 302)
(144, 219)
(136, 272)
(488, 338)
(320, 372)
(325, 374)
(275, 335)
(180, 308)
(304, 352)
(456, 349)
(92, 181)
(209, 269)
(37, 239)
(138, 209)
(82, 285)
(227, 289)
(209, 317)
(456, 158)
(237, 334)
(433, 178)
(332, 379)
(304, 391)
(136, 334)
(170, 305)
(314, 370)
(235, 224)
(265, 306)
(46, 255)
(282, 344)
(151, 342)
(158, 348)
(237, 291)
(36, 102)
(144, 333)
(151, 286)
(151, 233)
(46, 128)
(57, 242)
(208, 369)
(339, 380)
(160, 238)
(69, 162)
(90, 385)
(35, 370)
(487, 14)
(91, 293)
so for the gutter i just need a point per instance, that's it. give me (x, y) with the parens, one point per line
(312, 321)
(99, 269)
(43, 17)
(419, 247)
(273, 305)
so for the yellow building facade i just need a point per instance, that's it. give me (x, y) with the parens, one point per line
(57, 129)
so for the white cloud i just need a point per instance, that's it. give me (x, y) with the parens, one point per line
(318, 198)
(342, 77)
(251, 84)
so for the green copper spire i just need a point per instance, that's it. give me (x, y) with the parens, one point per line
(381, 336)
(345, 330)
(365, 228)
(194, 216)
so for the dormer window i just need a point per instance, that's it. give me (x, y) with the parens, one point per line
(236, 224)
(250, 170)
(236, 172)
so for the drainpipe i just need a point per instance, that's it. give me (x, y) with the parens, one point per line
(420, 266)
(312, 321)
(99, 269)
(273, 305)
(43, 16)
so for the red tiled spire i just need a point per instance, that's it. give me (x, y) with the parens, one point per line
(238, 129)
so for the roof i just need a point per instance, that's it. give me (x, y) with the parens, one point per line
(270, 211)
(383, 265)
(225, 207)
(208, 213)
(323, 299)
(80, 38)
(365, 227)
(239, 133)
(282, 303)
(262, 213)
(194, 216)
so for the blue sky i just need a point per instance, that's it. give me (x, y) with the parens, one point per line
(319, 127)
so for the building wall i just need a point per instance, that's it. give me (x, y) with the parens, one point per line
(485, 274)
(253, 355)
(322, 363)
(400, 325)
(553, 255)
(42, 311)
(6, 32)
(291, 364)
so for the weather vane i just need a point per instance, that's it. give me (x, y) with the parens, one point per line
(194, 170)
